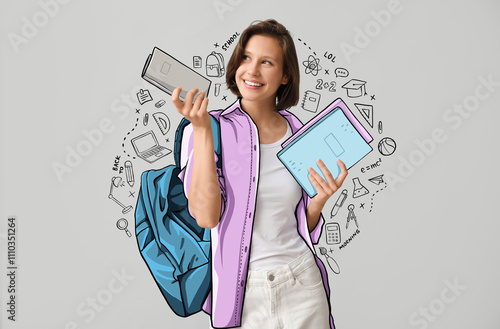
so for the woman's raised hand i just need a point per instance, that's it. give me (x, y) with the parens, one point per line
(196, 112)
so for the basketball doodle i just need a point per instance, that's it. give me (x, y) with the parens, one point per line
(386, 146)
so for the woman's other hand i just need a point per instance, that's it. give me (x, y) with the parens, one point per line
(325, 188)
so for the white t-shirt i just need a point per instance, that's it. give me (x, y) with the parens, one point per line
(275, 238)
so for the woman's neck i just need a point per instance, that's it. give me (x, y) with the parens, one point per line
(270, 123)
(260, 112)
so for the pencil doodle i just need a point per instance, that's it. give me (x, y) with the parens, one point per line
(129, 173)
(338, 203)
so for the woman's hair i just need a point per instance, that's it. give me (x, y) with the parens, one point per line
(287, 95)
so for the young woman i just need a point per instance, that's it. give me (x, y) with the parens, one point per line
(265, 272)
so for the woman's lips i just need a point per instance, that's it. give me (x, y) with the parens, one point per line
(252, 84)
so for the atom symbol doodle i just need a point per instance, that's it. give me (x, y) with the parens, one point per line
(312, 65)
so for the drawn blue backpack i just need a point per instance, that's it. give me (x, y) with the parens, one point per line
(175, 249)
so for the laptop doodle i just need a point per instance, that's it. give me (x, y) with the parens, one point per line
(147, 147)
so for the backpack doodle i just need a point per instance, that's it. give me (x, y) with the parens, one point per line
(215, 65)
(175, 249)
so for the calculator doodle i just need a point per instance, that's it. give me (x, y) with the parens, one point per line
(332, 233)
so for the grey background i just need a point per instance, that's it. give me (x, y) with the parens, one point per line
(439, 224)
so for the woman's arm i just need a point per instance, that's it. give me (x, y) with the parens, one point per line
(325, 190)
(204, 197)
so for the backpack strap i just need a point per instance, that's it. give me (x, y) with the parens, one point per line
(215, 135)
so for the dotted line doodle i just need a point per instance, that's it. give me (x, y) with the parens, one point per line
(307, 47)
(125, 138)
(373, 195)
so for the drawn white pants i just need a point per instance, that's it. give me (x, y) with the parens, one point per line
(289, 297)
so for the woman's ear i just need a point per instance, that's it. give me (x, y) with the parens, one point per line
(285, 79)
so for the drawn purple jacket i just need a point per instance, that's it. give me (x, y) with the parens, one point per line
(231, 238)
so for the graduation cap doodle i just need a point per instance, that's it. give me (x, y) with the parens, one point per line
(355, 88)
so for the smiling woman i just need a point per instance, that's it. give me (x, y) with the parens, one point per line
(287, 95)
(260, 72)
(264, 226)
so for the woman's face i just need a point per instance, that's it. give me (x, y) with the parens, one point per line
(260, 73)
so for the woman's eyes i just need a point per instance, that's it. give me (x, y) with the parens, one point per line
(246, 58)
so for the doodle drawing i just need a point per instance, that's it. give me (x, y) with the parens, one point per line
(387, 146)
(359, 189)
(310, 102)
(332, 233)
(351, 216)
(355, 88)
(366, 111)
(116, 181)
(146, 147)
